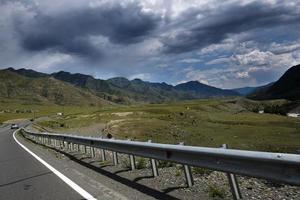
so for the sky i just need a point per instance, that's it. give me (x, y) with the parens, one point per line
(226, 44)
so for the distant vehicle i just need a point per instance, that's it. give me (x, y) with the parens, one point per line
(14, 126)
(293, 114)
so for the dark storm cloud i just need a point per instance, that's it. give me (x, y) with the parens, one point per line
(217, 25)
(70, 31)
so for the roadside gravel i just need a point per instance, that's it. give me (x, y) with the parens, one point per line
(118, 182)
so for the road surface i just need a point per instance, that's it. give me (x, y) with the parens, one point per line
(22, 177)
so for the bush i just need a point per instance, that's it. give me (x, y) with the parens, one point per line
(255, 109)
(125, 163)
(275, 109)
(163, 164)
(201, 171)
(216, 192)
(179, 170)
(141, 163)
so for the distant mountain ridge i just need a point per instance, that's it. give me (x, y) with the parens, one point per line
(244, 91)
(120, 89)
(201, 90)
(287, 87)
(33, 88)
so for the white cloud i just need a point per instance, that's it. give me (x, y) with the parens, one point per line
(255, 57)
(190, 60)
(143, 76)
(240, 59)
(242, 74)
(284, 48)
(218, 61)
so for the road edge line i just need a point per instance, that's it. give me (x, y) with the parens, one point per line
(68, 181)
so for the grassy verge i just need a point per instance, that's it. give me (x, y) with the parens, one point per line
(202, 123)
(18, 110)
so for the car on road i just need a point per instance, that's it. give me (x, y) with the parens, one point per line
(14, 126)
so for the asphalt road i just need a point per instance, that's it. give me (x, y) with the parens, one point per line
(22, 177)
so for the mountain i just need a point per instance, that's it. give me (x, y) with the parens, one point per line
(122, 90)
(144, 91)
(82, 80)
(118, 89)
(244, 91)
(43, 90)
(287, 87)
(196, 89)
(27, 72)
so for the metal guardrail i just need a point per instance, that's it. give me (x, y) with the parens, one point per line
(279, 167)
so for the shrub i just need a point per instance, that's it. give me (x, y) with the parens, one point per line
(216, 192)
(178, 170)
(141, 163)
(163, 163)
(104, 163)
(201, 171)
(125, 163)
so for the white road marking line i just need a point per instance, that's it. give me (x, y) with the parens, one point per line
(68, 181)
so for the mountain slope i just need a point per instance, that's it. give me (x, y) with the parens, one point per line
(245, 90)
(44, 90)
(199, 90)
(144, 91)
(122, 90)
(249, 90)
(27, 72)
(287, 87)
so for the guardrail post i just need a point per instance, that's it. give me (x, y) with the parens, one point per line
(132, 160)
(234, 186)
(66, 145)
(103, 156)
(92, 151)
(56, 143)
(153, 165)
(97, 152)
(188, 173)
(83, 148)
(115, 156)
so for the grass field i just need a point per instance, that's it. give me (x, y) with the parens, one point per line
(19, 110)
(202, 123)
